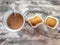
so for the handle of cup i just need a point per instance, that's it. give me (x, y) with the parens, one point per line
(1, 19)
(1, 25)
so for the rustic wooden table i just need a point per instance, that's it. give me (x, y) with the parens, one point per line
(21, 38)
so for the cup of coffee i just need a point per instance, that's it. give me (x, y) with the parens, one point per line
(13, 21)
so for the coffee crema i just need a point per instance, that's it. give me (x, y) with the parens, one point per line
(15, 21)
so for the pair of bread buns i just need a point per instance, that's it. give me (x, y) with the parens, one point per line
(50, 21)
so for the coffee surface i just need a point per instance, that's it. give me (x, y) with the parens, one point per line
(15, 21)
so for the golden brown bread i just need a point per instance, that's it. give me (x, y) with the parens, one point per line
(35, 20)
(51, 22)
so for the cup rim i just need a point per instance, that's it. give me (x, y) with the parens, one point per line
(56, 23)
(37, 24)
(4, 21)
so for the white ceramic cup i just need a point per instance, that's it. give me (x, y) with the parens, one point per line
(6, 15)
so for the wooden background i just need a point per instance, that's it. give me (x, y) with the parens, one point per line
(9, 38)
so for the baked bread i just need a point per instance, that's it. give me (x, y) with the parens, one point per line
(35, 20)
(51, 22)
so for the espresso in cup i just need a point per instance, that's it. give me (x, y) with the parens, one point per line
(15, 21)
